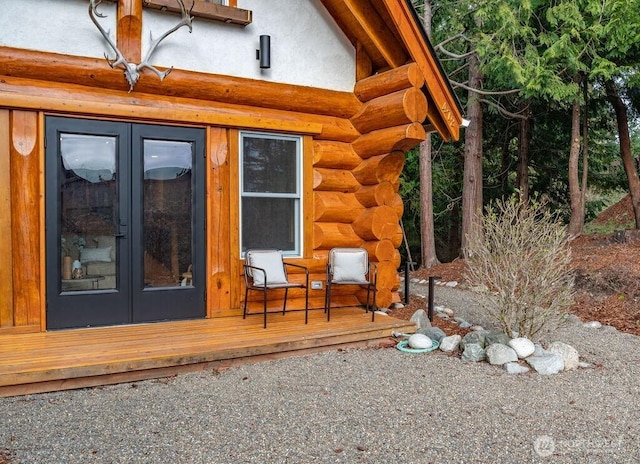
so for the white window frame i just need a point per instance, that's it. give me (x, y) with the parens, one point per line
(297, 196)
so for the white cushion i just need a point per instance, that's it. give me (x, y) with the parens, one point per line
(95, 255)
(271, 262)
(350, 266)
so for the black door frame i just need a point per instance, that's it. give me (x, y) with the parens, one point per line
(130, 302)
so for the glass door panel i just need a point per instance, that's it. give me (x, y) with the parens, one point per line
(88, 212)
(167, 213)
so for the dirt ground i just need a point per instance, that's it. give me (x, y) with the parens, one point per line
(607, 277)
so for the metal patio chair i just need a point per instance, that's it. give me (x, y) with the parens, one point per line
(351, 266)
(266, 270)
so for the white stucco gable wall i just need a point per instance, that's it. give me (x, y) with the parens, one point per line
(56, 26)
(307, 48)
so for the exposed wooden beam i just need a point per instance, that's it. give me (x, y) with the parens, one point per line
(422, 54)
(95, 72)
(361, 22)
(129, 35)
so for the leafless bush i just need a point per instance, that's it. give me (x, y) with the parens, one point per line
(520, 262)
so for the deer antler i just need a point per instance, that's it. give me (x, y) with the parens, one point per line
(185, 21)
(132, 71)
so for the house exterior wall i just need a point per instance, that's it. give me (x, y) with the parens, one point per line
(354, 142)
(307, 48)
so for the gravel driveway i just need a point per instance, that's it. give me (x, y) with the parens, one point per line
(360, 405)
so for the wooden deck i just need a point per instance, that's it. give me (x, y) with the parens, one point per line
(66, 359)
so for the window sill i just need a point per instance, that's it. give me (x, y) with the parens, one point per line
(206, 10)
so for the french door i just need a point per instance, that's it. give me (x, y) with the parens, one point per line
(124, 223)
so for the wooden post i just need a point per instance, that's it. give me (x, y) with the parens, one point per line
(25, 212)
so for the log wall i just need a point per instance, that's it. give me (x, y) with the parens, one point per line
(356, 185)
(354, 155)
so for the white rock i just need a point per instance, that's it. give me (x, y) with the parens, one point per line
(424, 282)
(447, 311)
(476, 328)
(438, 308)
(419, 341)
(443, 316)
(397, 305)
(547, 364)
(465, 325)
(522, 346)
(592, 325)
(515, 368)
(453, 283)
(450, 343)
(568, 354)
(499, 354)
(415, 280)
(585, 365)
(458, 319)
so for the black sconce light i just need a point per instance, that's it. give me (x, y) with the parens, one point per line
(264, 53)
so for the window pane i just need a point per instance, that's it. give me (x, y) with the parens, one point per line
(270, 165)
(167, 211)
(269, 223)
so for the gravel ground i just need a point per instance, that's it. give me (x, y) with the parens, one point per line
(359, 405)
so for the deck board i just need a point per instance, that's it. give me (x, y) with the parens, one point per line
(56, 360)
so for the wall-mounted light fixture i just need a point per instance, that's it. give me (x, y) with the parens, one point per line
(264, 53)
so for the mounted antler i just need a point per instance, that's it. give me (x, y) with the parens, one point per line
(131, 70)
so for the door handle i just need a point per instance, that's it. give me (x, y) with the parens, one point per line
(119, 235)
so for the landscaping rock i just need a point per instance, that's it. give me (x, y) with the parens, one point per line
(496, 337)
(421, 319)
(450, 344)
(434, 333)
(515, 368)
(522, 346)
(473, 352)
(442, 316)
(546, 364)
(499, 354)
(476, 338)
(568, 354)
(447, 311)
(419, 341)
(592, 325)
(465, 325)
(477, 328)
(538, 350)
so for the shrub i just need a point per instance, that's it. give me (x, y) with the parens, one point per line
(521, 260)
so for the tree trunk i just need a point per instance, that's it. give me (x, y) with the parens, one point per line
(427, 229)
(625, 149)
(472, 177)
(428, 254)
(522, 169)
(575, 192)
